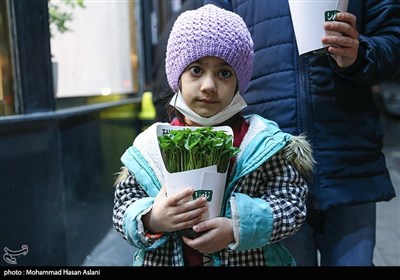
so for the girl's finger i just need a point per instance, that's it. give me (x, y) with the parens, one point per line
(182, 195)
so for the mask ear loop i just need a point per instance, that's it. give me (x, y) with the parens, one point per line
(236, 93)
(180, 116)
(176, 98)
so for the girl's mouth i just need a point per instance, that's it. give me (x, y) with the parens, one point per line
(207, 100)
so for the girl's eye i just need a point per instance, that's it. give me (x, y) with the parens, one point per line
(225, 73)
(196, 70)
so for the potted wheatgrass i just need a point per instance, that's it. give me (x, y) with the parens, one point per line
(198, 157)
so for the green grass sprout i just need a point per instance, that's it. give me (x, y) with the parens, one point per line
(187, 149)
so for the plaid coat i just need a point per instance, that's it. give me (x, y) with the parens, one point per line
(265, 198)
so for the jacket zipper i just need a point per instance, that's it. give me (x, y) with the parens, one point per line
(146, 167)
(305, 123)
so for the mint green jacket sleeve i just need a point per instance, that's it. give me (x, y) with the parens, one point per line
(133, 227)
(255, 221)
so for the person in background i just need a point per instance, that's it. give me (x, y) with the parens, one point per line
(328, 98)
(209, 61)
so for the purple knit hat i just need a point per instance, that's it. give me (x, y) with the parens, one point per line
(209, 31)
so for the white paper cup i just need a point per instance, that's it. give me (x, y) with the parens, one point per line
(308, 17)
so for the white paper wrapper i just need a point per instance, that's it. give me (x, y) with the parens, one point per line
(308, 17)
(205, 181)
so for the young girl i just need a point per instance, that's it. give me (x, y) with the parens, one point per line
(209, 62)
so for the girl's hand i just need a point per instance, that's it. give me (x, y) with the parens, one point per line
(342, 39)
(174, 212)
(217, 233)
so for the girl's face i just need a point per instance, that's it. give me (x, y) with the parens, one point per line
(208, 86)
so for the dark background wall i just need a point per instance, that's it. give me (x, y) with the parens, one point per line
(56, 182)
(56, 165)
(31, 192)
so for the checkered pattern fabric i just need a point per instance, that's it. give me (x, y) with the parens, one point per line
(275, 181)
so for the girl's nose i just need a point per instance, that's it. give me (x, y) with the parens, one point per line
(208, 84)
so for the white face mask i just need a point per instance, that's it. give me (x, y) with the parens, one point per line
(237, 104)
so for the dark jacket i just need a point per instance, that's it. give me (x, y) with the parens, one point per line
(334, 107)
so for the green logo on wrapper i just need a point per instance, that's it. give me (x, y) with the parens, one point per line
(331, 15)
(206, 193)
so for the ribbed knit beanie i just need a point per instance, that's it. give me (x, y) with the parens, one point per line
(209, 31)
